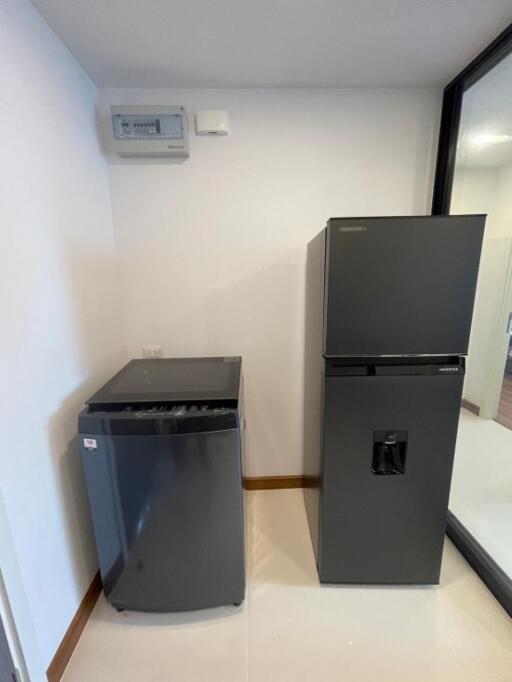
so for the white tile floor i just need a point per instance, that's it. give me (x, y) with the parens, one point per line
(481, 495)
(291, 629)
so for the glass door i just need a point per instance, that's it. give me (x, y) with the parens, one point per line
(474, 175)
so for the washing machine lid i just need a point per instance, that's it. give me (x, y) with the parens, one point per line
(173, 379)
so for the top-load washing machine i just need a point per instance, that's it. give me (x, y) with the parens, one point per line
(161, 449)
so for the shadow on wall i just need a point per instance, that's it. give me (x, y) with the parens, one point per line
(261, 318)
(91, 353)
(73, 493)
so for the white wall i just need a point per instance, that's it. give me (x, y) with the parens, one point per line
(503, 205)
(474, 191)
(58, 298)
(212, 250)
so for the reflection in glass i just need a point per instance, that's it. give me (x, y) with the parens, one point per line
(481, 495)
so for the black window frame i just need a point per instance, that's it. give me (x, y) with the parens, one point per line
(453, 94)
(499, 583)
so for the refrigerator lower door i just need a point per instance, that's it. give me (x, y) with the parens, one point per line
(167, 515)
(387, 462)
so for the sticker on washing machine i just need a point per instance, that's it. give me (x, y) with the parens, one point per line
(90, 443)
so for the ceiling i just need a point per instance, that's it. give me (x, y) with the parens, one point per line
(487, 113)
(275, 43)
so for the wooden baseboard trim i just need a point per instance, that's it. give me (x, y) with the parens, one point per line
(273, 482)
(471, 406)
(70, 640)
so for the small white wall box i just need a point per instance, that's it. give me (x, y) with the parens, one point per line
(152, 351)
(147, 131)
(212, 122)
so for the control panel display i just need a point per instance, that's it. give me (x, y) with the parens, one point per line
(149, 131)
(163, 126)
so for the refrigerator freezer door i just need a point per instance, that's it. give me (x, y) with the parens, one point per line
(400, 286)
(167, 515)
(387, 462)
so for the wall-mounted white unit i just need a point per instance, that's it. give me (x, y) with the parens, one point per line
(149, 131)
(212, 122)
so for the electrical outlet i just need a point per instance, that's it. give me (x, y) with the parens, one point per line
(152, 352)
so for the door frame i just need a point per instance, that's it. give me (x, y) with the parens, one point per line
(491, 574)
(451, 110)
(15, 610)
(7, 631)
(11, 634)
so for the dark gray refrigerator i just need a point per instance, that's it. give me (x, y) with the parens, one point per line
(389, 303)
(161, 450)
